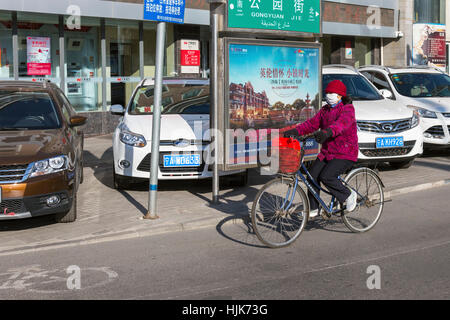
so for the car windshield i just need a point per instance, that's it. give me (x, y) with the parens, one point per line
(176, 99)
(358, 87)
(422, 84)
(27, 111)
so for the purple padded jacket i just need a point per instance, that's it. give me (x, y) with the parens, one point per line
(341, 119)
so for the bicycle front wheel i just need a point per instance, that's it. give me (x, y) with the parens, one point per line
(370, 201)
(279, 213)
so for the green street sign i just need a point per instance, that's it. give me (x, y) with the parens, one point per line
(278, 15)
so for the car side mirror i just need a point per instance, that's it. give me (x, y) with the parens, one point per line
(76, 121)
(386, 93)
(117, 109)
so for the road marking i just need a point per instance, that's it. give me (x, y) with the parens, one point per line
(170, 294)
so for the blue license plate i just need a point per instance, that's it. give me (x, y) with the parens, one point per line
(390, 142)
(182, 160)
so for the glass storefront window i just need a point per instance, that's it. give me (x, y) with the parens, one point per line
(150, 49)
(83, 65)
(431, 11)
(6, 53)
(122, 60)
(38, 37)
(363, 52)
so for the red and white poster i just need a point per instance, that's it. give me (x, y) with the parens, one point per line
(429, 45)
(190, 56)
(38, 56)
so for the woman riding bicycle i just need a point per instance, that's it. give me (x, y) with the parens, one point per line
(338, 135)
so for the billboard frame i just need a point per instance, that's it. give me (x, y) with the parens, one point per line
(225, 122)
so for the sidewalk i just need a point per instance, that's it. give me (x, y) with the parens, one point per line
(107, 214)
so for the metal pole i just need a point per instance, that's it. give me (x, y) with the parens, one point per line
(159, 67)
(141, 50)
(15, 45)
(103, 53)
(62, 60)
(215, 92)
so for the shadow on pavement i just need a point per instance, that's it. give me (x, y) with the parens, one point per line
(28, 223)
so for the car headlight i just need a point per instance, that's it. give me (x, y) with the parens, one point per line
(424, 112)
(48, 166)
(415, 120)
(132, 139)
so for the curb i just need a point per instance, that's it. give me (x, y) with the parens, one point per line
(177, 227)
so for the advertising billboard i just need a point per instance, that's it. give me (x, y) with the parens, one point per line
(429, 45)
(268, 85)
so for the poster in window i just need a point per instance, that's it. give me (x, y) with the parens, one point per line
(38, 56)
(429, 45)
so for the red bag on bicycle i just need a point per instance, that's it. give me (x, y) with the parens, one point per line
(289, 154)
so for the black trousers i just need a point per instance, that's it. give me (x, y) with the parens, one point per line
(327, 172)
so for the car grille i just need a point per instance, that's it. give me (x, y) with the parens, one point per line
(13, 173)
(436, 130)
(15, 205)
(385, 126)
(370, 150)
(145, 165)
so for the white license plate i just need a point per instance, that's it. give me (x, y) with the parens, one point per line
(390, 142)
(182, 160)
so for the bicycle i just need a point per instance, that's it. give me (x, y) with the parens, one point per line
(280, 210)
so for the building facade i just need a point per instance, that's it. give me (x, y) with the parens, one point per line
(98, 50)
(423, 35)
(354, 30)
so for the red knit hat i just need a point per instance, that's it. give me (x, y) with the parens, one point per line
(337, 86)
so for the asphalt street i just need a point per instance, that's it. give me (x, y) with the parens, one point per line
(410, 248)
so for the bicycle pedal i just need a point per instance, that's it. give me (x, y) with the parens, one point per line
(325, 215)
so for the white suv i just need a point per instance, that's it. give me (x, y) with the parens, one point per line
(424, 89)
(388, 131)
(184, 137)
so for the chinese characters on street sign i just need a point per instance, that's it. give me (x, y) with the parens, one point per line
(164, 10)
(279, 15)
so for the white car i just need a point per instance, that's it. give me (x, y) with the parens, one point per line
(424, 89)
(388, 131)
(184, 136)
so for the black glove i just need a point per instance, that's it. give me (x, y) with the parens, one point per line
(290, 133)
(322, 135)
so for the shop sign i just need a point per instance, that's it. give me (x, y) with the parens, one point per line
(38, 56)
(277, 15)
(190, 56)
(429, 45)
(164, 10)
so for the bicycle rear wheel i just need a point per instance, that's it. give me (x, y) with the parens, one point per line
(370, 201)
(276, 225)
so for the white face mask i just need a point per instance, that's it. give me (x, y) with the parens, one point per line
(332, 98)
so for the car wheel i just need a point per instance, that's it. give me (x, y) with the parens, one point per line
(401, 164)
(71, 215)
(119, 183)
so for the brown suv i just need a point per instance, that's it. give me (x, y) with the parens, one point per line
(41, 152)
